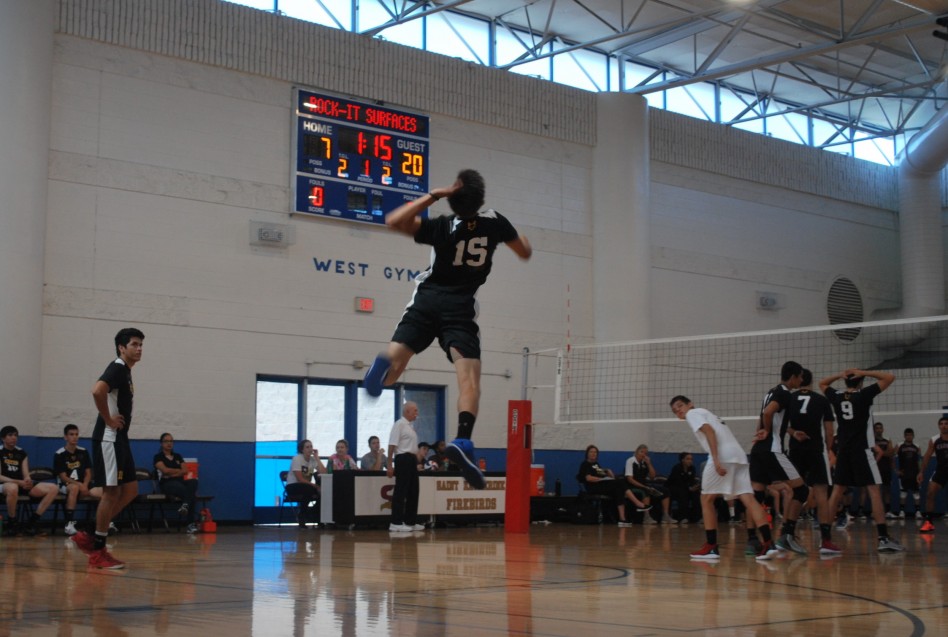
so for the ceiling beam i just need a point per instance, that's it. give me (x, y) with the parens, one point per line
(407, 15)
(783, 56)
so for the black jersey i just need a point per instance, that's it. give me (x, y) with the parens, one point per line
(682, 477)
(11, 462)
(175, 462)
(941, 451)
(463, 249)
(73, 464)
(808, 411)
(118, 377)
(910, 457)
(639, 470)
(774, 441)
(885, 461)
(853, 408)
(591, 469)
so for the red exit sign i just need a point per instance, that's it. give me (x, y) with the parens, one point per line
(364, 304)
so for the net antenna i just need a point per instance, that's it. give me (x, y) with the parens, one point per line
(632, 382)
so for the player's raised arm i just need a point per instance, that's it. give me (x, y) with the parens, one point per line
(883, 379)
(829, 380)
(405, 219)
(521, 247)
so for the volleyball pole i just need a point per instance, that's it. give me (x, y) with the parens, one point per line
(519, 457)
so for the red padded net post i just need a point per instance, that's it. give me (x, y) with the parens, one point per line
(519, 444)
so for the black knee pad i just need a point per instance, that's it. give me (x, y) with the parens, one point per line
(801, 493)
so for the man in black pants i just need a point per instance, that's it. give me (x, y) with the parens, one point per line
(173, 480)
(403, 450)
(443, 305)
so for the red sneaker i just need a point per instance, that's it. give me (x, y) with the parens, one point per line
(828, 548)
(928, 527)
(104, 559)
(84, 541)
(706, 552)
(767, 551)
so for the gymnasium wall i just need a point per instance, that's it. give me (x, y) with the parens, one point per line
(170, 134)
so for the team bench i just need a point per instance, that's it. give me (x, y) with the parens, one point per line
(149, 497)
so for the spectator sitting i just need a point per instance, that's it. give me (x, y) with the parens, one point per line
(15, 476)
(174, 482)
(73, 468)
(299, 479)
(437, 457)
(600, 481)
(424, 462)
(685, 488)
(640, 474)
(376, 459)
(341, 460)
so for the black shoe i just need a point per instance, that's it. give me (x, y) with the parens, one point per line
(29, 530)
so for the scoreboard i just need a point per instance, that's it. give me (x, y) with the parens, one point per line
(355, 160)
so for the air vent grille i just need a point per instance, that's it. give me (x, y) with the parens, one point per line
(844, 305)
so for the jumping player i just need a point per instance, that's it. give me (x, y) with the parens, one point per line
(443, 305)
(726, 474)
(856, 459)
(937, 446)
(113, 464)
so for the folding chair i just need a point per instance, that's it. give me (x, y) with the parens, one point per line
(302, 503)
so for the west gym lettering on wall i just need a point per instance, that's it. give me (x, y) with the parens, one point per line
(354, 268)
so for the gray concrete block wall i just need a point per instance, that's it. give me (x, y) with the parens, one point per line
(692, 143)
(244, 39)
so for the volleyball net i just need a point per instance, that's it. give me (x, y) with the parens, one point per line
(632, 382)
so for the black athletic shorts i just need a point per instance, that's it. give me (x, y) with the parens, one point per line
(885, 473)
(909, 482)
(767, 467)
(112, 462)
(447, 316)
(940, 477)
(813, 466)
(856, 468)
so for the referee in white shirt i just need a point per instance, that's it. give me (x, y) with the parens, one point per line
(403, 451)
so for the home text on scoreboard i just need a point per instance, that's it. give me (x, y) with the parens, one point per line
(355, 160)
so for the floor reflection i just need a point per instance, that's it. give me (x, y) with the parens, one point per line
(557, 580)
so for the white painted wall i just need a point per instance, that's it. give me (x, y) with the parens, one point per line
(158, 167)
(26, 51)
(716, 241)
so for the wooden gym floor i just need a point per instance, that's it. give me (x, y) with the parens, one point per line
(558, 580)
